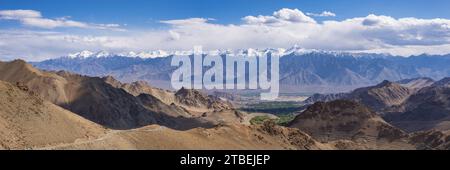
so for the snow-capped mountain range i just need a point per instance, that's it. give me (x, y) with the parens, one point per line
(296, 50)
(301, 70)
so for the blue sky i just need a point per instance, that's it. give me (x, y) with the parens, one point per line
(144, 13)
(179, 24)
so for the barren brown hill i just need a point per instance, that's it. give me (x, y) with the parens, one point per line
(100, 102)
(27, 121)
(348, 120)
(188, 108)
(153, 103)
(432, 140)
(427, 109)
(184, 102)
(138, 116)
(89, 97)
(141, 87)
(263, 137)
(416, 83)
(382, 96)
(195, 99)
(46, 84)
(117, 105)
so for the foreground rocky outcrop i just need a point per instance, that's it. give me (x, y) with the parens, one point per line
(28, 121)
(111, 103)
(347, 120)
(230, 136)
(432, 140)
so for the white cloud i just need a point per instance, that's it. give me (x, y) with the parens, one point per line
(189, 21)
(285, 28)
(34, 19)
(19, 14)
(283, 16)
(174, 35)
(323, 14)
(409, 50)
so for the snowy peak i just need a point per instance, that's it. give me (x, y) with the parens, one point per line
(102, 54)
(82, 54)
(87, 54)
(295, 50)
(153, 54)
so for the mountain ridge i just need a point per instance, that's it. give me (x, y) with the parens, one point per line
(306, 72)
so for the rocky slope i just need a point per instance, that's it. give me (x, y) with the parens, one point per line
(39, 110)
(140, 87)
(27, 121)
(40, 127)
(117, 105)
(427, 109)
(89, 97)
(432, 140)
(263, 137)
(196, 99)
(186, 107)
(380, 97)
(416, 83)
(325, 97)
(347, 120)
(46, 84)
(445, 82)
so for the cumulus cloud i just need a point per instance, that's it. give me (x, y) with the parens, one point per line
(284, 28)
(283, 16)
(19, 14)
(323, 14)
(404, 31)
(35, 19)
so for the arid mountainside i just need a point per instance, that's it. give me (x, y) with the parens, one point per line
(48, 85)
(419, 104)
(196, 99)
(348, 120)
(89, 97)
(187, 99)
(262, 137)
(183, 97)
(445, 82)
(325, 97)
(62, 110)
(140, 87)
(27, 121)
(187, 105)
(427, 109)
(100, 100)
(416, 83)
(379, 97)
(153, 99)
(433, 139)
